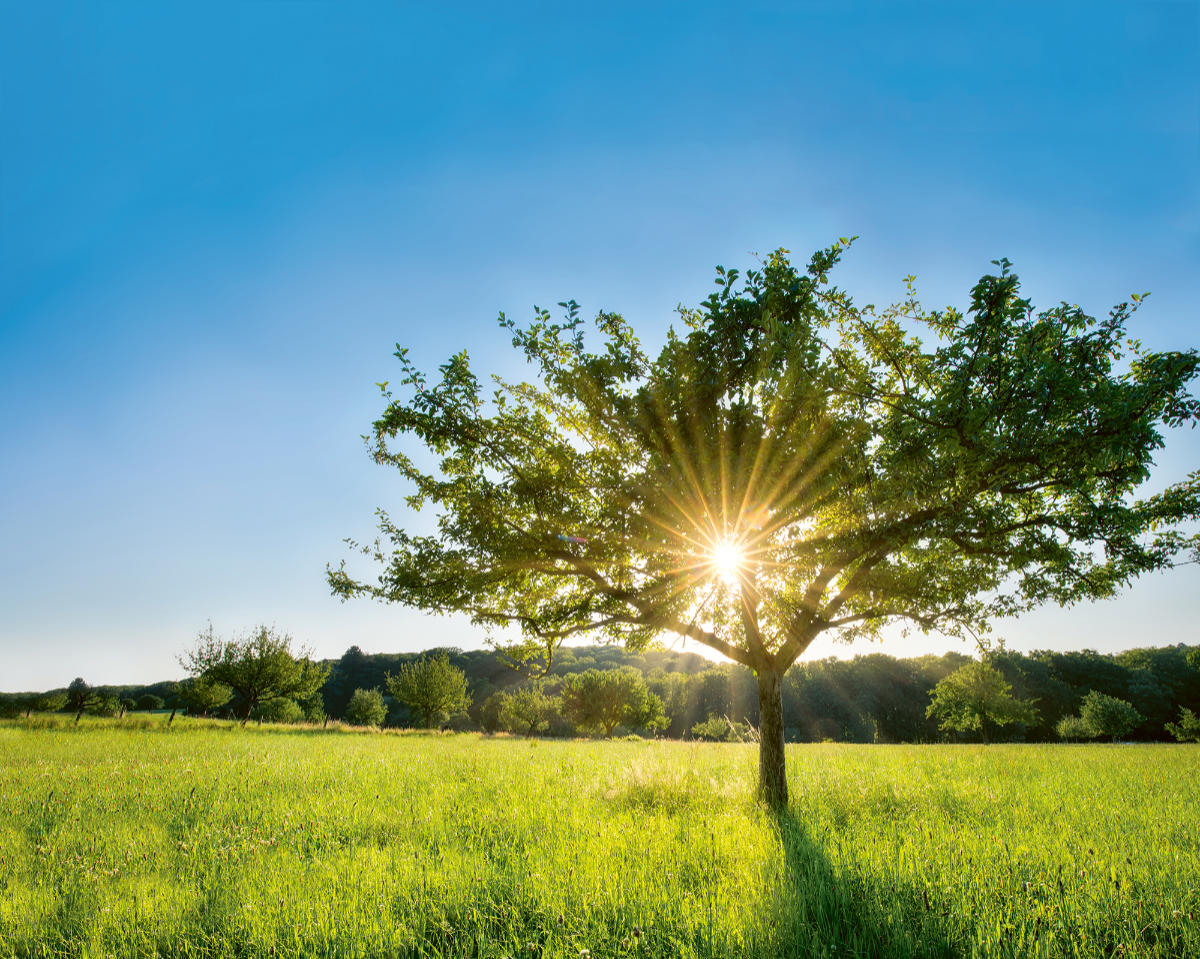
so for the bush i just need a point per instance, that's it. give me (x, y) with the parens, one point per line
(1188, 727)
(314, 708)
(149, 703)
(279, 711)
(1108, 716)
(721, 729)
(1073, 729)
(366, 708)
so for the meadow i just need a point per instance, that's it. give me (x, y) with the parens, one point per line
(135, 839)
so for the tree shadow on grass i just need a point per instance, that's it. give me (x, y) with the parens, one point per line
(823, 910)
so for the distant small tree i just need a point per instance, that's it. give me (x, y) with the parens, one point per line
(81, 696)
(148, 703)
(977, 697)
(108, 703)
(366, 708)
(1107, 715)
(1073, 729)
(202, 695)
(258, 668)
(1188, 727)
(601, 699)
(431, 687)
(527, 710)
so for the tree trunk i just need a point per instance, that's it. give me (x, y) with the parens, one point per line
(172, 719)
(772, 769)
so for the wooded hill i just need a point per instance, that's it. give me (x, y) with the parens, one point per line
(874, 698)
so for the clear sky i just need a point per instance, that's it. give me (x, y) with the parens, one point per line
(217, 219)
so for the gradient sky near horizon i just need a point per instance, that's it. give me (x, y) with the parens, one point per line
(216, 220)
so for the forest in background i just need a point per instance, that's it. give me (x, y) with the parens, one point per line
(872, 698)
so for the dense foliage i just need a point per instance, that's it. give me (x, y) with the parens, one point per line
(526, 710)
(267, 678)
(977, 697)
(600, 700)
(874, 698)
(788, 464)
(1108, 716)
(366, 708)
(1188, 727)
(431, 687)
(201, 694)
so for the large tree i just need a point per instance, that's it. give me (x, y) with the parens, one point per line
(788, 464)
(260, 668)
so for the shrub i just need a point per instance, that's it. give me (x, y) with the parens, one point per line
(279, 711)
(1107, 715)
(1073, 729)
(490, 710)
(721, 729)
(1188, 727)
(366, 708)
(149, 702)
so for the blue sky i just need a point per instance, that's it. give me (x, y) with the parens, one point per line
(216, 220)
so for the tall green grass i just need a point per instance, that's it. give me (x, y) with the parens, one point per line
(206, 840)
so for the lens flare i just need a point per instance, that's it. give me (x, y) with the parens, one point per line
(728, 561)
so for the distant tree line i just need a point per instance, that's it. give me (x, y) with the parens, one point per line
(1150, 694)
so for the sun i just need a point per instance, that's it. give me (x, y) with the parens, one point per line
(728, 561)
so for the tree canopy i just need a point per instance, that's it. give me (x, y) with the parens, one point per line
(82, 697)
(976, 696)
(600, 700)
(201, 694)
(1108, 715)
(527, 710)
(259, 669)
(789, 463)
(366, 708)
(431, 687)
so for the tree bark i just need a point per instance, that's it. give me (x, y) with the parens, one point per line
(772, 768)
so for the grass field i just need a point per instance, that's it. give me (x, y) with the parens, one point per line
(205, 840)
